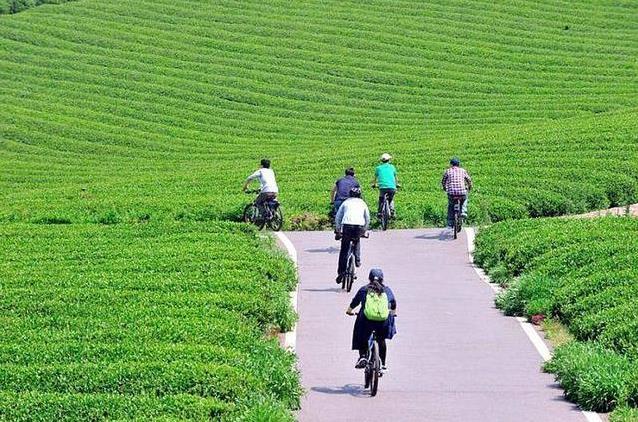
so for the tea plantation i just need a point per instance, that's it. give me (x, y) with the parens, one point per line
(156, 109)
(143, 321)
(127, 129)
(584, 273)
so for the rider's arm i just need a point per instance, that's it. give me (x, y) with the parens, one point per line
(391, 300)
(356, 300)
(366, 217)
(339, 218)
(333, 194)
(444, 180)
(250, 178)
(468, 181)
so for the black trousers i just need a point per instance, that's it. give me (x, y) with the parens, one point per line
(350, 233)
(450, 208)
(390, 194)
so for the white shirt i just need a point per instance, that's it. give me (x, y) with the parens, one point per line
(267, 179)
(353, 211)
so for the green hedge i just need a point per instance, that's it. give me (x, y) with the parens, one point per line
(147, 321)
(584, 273)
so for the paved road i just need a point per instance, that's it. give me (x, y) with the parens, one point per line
(455, 358)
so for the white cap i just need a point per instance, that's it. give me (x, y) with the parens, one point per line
(386, 157)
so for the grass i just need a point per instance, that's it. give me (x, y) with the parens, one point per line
(581, 272)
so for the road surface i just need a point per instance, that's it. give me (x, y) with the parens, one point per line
(455, 357)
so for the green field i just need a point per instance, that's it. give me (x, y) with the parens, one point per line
(127, 129)
(584, 273)
(159, 110)
(142, 321)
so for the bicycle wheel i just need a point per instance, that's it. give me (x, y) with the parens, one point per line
(252, 214)
(385, 214)
(367, 376)
(277, 220)
(456, 225)
(350, 273)
(375, 369)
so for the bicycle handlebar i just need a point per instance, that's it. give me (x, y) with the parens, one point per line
(251, 191)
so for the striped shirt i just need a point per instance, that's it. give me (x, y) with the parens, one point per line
(456, 181)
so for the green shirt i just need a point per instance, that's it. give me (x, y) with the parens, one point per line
(386, 176)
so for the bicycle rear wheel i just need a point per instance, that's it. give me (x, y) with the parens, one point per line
(456, 225)
(277, 220)
(350, 273)
(375, 369)
(385, 214)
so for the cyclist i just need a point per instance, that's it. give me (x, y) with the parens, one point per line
(351, 222)
(456, 182)
(363, 327)
(385, 176)
(266, 177)
(341, 190)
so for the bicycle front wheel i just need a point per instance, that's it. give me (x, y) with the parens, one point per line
(252, 214)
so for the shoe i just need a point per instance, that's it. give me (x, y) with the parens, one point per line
(339, 279)
(384, 369)
(357, 264)
(361, 363)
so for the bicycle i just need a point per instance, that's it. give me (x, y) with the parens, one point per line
(372, 371)
(458, 218)
(386, 212)
(269, 213)
(350, 276)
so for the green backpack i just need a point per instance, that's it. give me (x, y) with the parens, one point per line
(376, 307)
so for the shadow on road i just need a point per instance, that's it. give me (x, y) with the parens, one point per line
(331, 249)
(354, 390)
(442, 235)
(331, 289)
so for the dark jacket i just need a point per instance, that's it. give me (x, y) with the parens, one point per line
(364, 327)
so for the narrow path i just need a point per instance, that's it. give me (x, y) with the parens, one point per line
(455, 358)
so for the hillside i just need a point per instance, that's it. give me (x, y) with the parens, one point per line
(161, 109)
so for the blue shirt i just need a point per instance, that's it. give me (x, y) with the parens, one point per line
(343, 187)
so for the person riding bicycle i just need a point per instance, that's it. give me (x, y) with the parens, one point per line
(456, 182)
(363, 326)
(266, 177)
(351, 222)
(385, 176)
(341, 190)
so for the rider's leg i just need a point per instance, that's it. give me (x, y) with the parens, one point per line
(381, 199)
(390, 193)
(464, 206)
(356, 244)
(450, 211)
(343, 255)
(383, 351)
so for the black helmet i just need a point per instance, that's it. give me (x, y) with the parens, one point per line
(455, 161)
(376, 274)
(355, 193)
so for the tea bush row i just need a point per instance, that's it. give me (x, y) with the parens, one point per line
(583, 273)
(155, 320)
(117, 112)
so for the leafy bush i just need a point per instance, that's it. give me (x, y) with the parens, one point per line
(583, 272)
(153, 320)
